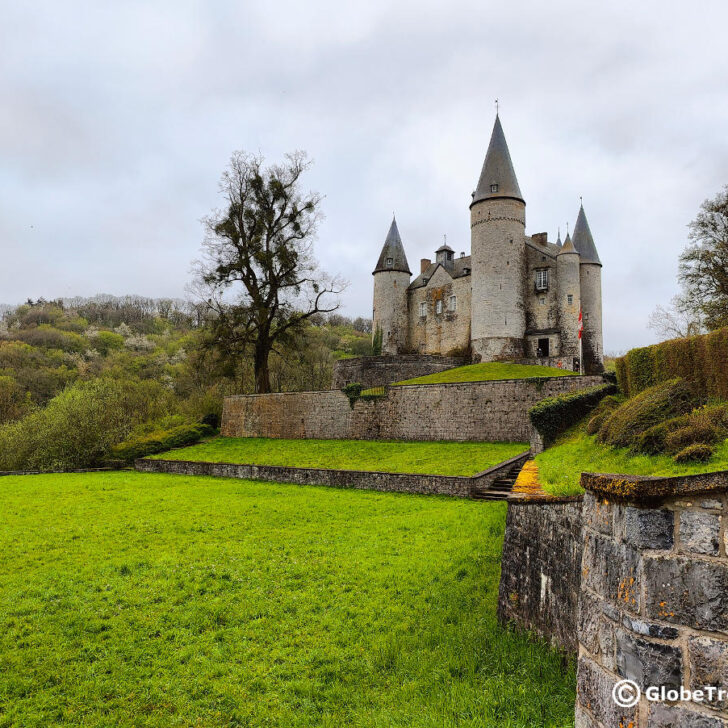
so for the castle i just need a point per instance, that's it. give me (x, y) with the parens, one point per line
(517, 297)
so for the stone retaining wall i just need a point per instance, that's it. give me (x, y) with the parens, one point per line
(468, 411)
(654, 598)
(457, 486)
(541, 568)
(376, 371)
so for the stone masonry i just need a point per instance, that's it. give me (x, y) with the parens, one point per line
(376, 371)
(653, 604)
(468, 411)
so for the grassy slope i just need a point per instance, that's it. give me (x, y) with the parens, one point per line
(154, 600)
(488, 371)
(435, 458)
(560, 466)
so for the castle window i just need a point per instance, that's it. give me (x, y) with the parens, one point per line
(390, 262)
(542, 300)
(423, 309)
(569, 299)
(494, 188)
(542, 280)
(453, 303)
(438, 306)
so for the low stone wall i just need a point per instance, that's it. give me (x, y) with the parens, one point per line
(541, 568)
(654, 599)
(468, 411)
(457, 486)
(376, 371)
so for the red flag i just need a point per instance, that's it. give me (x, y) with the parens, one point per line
(581, 323)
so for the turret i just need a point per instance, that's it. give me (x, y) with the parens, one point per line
(590, 277)
(391, 279)
(497, 223)
(569, 288)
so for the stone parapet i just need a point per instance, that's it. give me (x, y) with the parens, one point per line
(376, 371)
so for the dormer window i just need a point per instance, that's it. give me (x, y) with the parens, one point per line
(494, 188)
(424, 281)
(390, 262)
(542, 280)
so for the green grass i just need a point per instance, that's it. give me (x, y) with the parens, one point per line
(129, 599)
(487, 371)
(392, 456)
(560, 466)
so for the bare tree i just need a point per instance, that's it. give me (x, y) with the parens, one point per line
(676, 321)
(258, 275)
(704, 264)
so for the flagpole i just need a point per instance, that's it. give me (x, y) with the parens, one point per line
(581, 357)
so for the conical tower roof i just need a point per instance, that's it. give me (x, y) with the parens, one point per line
(497, 178)
(558, 239)
(583, 240)
(567, 247)
(394, 250)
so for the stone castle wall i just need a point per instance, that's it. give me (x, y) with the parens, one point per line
(468, 411)
(376, 371)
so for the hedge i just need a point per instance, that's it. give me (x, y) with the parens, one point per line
(154, 442)
(554, 415)
(701, 359)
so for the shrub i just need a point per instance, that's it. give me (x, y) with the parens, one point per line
(695, 432)
(79, 426)
(353, 392)
(160, 440)
(652, 440)
(553, 415)
(605, 408)
(652, 406)
(699, 452)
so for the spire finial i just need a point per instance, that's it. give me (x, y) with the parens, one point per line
(581, 200)
(496, 107)
(567, 229)
(445, 237)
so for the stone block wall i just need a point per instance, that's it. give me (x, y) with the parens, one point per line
(653, 604)
(456, 486)
(541, 568)
(469, 411)
(376, 371)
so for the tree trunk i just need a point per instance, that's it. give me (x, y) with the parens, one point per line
(262, 375)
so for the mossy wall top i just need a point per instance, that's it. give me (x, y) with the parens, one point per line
(701, 359)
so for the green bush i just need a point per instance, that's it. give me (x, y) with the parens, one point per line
(603, 410)
(79, 426)
(651, 407)
(553, 415)
(695, 432)
(700, 359)
(160, 440)
(652, 440)
(698, 452)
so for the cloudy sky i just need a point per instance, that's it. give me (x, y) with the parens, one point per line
(118, 118)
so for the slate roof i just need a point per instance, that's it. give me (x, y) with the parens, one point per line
(393, 249)
(583, 240)
(459, 265)
(497, 169)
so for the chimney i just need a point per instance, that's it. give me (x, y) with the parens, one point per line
(540, 238)
(425, 263)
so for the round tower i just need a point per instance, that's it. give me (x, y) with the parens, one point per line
(497, 225)
(590, 279)
(391, 280)
(569, 292)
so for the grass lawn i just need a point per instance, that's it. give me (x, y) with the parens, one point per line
(131, 599)
(560, 466)
(393, 456)
(486, 371)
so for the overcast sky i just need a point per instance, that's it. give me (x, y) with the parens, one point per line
(118, 118)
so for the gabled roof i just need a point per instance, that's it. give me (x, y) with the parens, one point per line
(583, 240)
(497, 170)
(458, 270)
(393, 249)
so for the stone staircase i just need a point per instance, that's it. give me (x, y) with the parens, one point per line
(500, 488)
